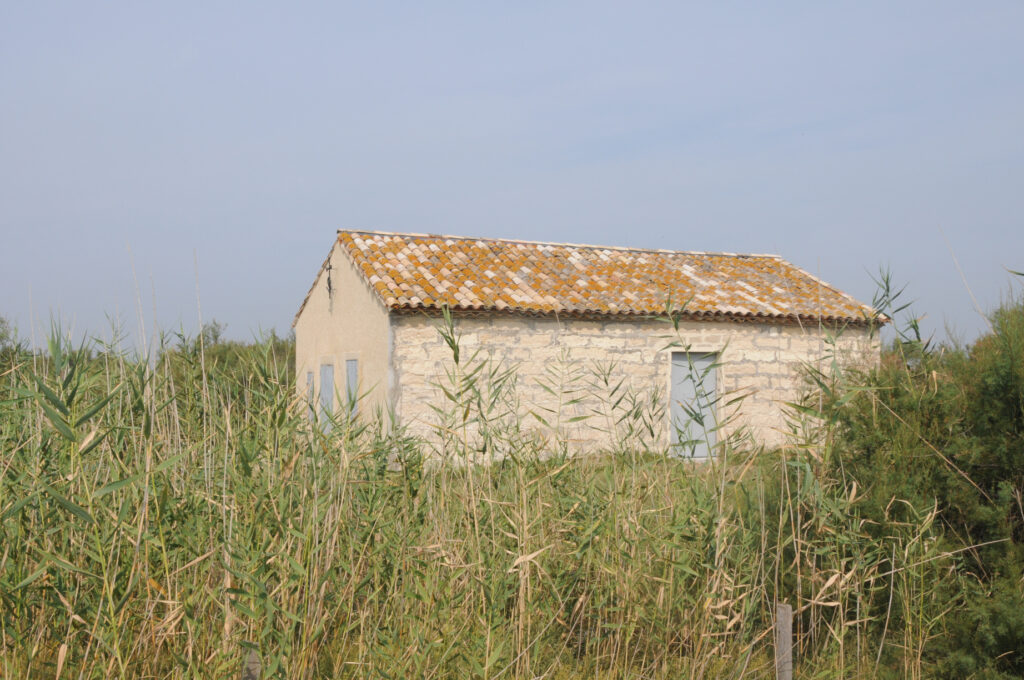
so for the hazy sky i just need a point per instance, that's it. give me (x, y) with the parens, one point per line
(227, 142)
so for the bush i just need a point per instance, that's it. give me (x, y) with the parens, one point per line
(944, 428)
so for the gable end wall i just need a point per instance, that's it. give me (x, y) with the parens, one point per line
(349, 323)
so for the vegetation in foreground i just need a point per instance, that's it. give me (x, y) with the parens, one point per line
(162, 519)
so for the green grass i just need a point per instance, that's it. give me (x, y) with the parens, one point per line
(162, 519)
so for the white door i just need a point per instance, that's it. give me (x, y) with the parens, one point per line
(692, 408)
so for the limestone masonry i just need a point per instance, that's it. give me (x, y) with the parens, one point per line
(760, 361)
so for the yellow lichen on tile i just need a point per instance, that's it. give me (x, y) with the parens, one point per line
(415, 271)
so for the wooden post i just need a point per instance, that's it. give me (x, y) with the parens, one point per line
(783, 641)
(251, 667)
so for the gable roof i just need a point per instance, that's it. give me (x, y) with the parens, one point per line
(412, 272)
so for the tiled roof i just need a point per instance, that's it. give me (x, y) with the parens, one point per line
(425, 272)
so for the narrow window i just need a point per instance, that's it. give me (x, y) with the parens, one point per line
(352, 385)
(692, 408)
(311, 414)
(326, 393)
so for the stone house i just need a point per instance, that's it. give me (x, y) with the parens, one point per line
(744, 326)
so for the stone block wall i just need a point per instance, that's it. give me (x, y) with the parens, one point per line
(582, 360)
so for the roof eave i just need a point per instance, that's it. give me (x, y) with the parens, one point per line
(783, 319)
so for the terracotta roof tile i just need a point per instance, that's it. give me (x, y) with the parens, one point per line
(418, 271)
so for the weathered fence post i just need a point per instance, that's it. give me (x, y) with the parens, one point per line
(783, 641)
(251, 667)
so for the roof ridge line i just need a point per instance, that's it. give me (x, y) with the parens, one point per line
(561, 244)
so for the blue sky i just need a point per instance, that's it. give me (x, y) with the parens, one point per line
(145, 150)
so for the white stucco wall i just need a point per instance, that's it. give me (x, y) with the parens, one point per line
(757, 359)
(348, 323)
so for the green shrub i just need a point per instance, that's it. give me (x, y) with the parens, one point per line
(944, 427)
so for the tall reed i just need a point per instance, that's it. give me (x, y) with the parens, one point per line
(165, 518)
